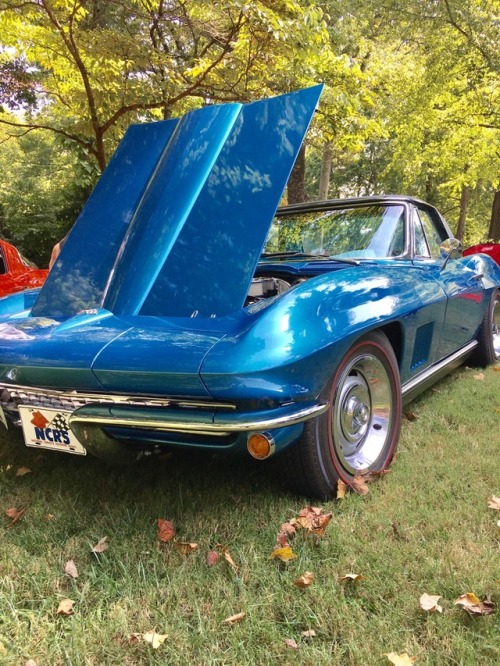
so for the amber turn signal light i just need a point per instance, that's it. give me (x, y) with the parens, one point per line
(260, 445)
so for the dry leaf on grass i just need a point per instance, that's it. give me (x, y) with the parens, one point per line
(291, 643)
(30, 662)
(479, 377)
(234, 619)
(308, 633)
(284, 554)
(101, 545)
(70, 569)
(312, 519)
(358, 484)
(494, 503)
(355, 578)
(474, 606)
(429, 603)
(230, 560)
(65, 607)
(22, 471)
(185, 548)
(166, 530)
(154, 639)
(341, 489)
(212, 558)
(411, 416)
(400, 659)
(14, 515)
(305, 580)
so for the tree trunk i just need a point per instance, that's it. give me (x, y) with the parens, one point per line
(296, 182)
(464, 205)
(326, 170)
(494, 230)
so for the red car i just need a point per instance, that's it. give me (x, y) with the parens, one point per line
(493, 249)
(16, 272)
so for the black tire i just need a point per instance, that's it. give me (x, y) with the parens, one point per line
(488, 349)
(360, 430)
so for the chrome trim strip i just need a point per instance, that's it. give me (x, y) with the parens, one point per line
(227, 423)
(25, 393)
(429, 373)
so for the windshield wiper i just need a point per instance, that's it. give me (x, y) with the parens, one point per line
(303, 255)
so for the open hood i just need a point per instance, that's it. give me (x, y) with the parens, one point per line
(178, 220)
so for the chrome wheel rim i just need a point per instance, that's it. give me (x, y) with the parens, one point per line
(361, 415)
(496, 328)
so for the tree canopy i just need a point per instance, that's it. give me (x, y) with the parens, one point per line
(410, 103)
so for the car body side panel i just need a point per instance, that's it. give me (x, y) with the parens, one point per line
(298, 341)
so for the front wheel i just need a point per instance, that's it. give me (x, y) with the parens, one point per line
(360, 430)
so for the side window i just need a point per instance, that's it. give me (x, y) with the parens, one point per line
(433, 231)
(2, 264)
(421, 248)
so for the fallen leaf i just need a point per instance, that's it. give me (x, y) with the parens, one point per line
(358, 484)
(166, 530)
(291, 643)
(14, 515)
(212, 558)
(101, 545)
(350, 577)
(234, 619)
(312, 519)
(308, 633)
(284, 554)
(374, 475)
(305, 580)
(185, 548)
(400, 659)
(65, 607)
(479, 377)
(494, 503)
(341, 489)
(474, 606)
(229, 560)
(154, 639)
(48, 516)
(134, 638)
(30, 662)
(429, 603)
(496, 368)
(411, 416)
(288, 529)
(22, 471)
(70, 569)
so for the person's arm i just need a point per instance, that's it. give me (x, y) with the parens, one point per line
(56, 250)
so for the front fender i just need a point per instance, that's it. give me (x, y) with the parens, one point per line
(294, 345)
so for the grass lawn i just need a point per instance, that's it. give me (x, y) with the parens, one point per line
(425, 527)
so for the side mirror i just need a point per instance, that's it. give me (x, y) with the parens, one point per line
(451, 248)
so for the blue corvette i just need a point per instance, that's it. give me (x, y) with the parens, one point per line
(184, 312)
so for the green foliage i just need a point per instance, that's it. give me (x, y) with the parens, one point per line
(410, 103)
(40, 193)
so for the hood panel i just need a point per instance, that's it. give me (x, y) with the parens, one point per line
(210, 267)
(179, 218)
(79, 277)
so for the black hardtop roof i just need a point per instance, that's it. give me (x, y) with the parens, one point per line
(351, 201)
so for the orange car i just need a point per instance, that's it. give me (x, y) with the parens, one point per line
(16, 272)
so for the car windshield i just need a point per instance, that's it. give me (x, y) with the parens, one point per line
(361, 232)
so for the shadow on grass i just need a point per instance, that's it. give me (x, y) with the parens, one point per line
(179, 483)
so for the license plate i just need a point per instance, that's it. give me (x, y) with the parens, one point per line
(49, 429)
